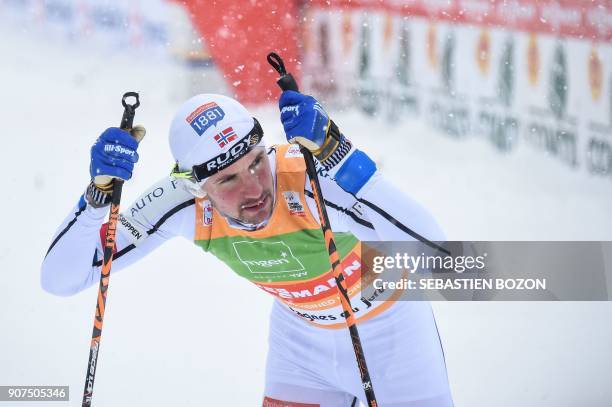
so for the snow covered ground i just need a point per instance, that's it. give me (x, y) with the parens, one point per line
(160, 349)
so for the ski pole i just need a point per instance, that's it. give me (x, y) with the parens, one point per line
(287, 82)
(109, 244)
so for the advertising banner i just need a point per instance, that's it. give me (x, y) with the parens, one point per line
(537, 74)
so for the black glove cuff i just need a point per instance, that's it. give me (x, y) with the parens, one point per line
(96, 197)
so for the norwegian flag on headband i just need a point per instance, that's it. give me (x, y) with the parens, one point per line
(225, 137)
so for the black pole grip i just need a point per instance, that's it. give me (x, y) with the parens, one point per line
(127, 121)
(286, 80)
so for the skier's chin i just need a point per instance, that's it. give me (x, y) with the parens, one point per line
(258, 211)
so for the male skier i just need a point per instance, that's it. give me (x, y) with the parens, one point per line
(253, 209)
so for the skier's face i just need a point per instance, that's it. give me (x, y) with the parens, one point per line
(244, 190)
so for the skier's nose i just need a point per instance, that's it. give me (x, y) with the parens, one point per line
(251, 186)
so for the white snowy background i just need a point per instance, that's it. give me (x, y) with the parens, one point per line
(182, 329)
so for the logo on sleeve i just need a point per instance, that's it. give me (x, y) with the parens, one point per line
(130, 230)
(205, 116)
(293, 203)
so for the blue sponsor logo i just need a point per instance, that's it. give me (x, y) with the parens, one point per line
(205, 116)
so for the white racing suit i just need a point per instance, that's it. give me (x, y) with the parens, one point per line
(310, 360)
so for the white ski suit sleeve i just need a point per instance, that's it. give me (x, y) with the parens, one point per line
(381, 212)
(73, 261)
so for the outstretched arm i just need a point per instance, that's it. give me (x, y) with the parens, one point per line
(358, 198)
(73, 261)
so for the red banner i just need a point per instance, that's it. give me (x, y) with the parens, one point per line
(572, 18)
(239, 35)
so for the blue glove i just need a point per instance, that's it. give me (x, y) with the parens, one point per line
(113, 156)
(304, 120)
(306, 123)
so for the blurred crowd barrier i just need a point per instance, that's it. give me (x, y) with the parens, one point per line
(533, 72)
(154, 30)
(124, 26)
(513, 72)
